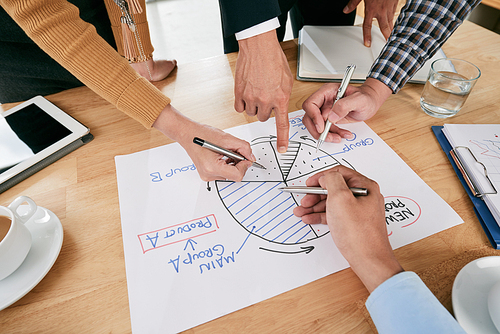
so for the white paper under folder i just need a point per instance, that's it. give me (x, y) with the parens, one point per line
(478, 146)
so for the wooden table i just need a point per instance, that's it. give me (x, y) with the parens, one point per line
(492, 3)
(86, 290)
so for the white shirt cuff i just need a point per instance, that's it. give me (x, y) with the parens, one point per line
(258, 29)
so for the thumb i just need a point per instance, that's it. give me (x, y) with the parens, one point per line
(340, 109)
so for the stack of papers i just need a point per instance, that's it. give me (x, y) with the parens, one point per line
(478, 147)
(326, 51)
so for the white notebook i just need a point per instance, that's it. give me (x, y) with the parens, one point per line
(326, 51)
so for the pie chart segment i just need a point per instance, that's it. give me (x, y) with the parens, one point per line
(265, 153)
(258, 204)
(308, 162)
(264, 210)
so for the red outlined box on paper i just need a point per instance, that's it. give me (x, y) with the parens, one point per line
(178, 233)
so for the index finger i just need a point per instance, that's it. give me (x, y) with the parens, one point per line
(314, 181)
(336, 184)
(282, 129)
(367, 30)
(319, 104)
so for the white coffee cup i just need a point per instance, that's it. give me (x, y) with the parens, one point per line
(16, 244)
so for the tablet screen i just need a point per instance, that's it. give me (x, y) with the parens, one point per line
(25, 133)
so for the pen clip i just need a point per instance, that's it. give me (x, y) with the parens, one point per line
(345, 81)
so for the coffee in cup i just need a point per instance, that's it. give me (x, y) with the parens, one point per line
(15, 238)
(4, 226)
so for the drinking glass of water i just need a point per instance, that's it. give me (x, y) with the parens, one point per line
(448, 85)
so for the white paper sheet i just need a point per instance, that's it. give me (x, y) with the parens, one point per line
(195, 251)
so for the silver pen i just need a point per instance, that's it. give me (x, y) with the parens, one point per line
(320, 191)
(340, 93)
(223, 151)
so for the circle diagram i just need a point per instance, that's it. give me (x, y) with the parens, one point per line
(258, 204)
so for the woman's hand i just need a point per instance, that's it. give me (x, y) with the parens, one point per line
(210, 165)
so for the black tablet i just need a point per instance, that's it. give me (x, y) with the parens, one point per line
(33, 135)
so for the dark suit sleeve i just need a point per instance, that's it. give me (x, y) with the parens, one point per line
(238, 15)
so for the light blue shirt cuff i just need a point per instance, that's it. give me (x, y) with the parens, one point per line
(404, 304)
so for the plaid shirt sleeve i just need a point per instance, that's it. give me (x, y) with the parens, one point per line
(420, 30)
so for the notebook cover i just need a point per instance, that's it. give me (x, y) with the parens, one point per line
(354, 37)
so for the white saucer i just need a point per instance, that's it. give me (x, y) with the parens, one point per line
(47, 233)
(470, 294)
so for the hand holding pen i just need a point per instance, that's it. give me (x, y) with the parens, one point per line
(359, 103)
(321, 191)
(212, 165)
(223, 151)
(350, 187)
(357, 224)
(340, 94)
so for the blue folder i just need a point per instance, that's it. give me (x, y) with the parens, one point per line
(484, 215)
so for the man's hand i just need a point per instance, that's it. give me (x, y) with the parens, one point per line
(382, 10)
(358, 104)
(357, 224)
(263, 82)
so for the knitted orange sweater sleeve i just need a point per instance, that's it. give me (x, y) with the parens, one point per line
(55, 26)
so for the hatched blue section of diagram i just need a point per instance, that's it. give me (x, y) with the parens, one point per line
(258, 204)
